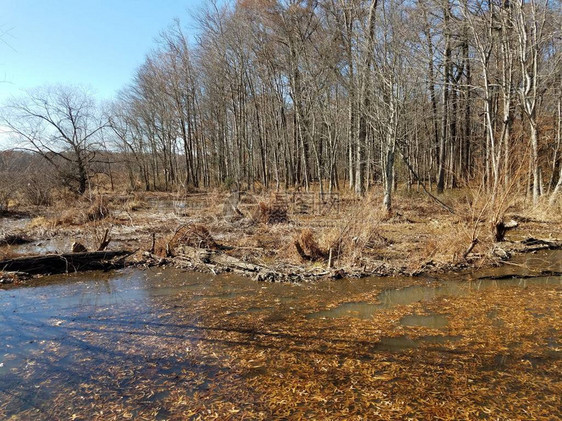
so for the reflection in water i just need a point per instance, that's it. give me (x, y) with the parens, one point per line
(409, 295)
(433, 321)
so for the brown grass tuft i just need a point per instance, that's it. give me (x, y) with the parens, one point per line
(272, 213)
(195, 235)
(97, 211)
(308, 247)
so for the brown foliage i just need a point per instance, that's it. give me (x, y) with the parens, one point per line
(272, 213)
(308, 247)
(195, 235)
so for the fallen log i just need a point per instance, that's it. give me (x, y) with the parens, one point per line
(63, 263)
(216, 261)
(214, 257)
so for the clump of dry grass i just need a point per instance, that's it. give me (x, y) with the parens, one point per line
(447, 243)
(358, 233)
(308, 248)
(83, 212)
(98, 210)
(195, 235)
(271, 213)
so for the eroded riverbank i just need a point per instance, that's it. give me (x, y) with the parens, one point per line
(169, 344)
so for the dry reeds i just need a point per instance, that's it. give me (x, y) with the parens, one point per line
(358, 233)
(97, 211)
(308, 247)
(197, 236)
(272, 213)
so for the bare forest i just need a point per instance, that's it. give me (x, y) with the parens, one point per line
(330, 96)
(304, 144)
(316, 106)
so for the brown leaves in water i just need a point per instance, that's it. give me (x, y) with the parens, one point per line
(254, 356)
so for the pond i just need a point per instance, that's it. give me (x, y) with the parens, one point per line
(170, 344)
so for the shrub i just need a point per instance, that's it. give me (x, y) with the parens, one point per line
(272, 213)
(97, 210)
(37, 191)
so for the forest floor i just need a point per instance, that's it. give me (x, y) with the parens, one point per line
(287, 236)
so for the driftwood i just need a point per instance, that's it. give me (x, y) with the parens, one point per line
(105, 241)
(216, 258)
(501, 228)
(216, 261)
(63, 263)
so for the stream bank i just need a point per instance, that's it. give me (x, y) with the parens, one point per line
(164, 343)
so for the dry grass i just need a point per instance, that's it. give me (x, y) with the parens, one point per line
(356, 233)
(308, 248)
(135, 205)
(40, 222)
(272, 212)
(83, 212)
(197, 236)
(98, 210)
(359, 233)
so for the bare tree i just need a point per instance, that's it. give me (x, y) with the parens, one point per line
(62, 125)
(302, 92)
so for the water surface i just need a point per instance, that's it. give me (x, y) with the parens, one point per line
(133, 339)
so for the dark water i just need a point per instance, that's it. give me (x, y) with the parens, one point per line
(69, 330)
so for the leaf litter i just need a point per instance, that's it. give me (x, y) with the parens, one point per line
(200, 354)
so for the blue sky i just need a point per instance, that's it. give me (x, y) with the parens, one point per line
(95, 43)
